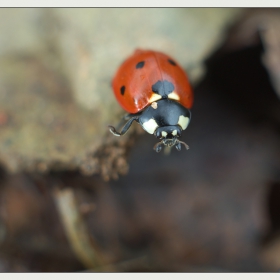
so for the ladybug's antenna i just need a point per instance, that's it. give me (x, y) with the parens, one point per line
(177, 144)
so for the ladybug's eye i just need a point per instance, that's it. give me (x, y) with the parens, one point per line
(160, 134)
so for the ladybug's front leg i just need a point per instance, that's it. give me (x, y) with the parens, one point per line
(127, 117)
(131, 118)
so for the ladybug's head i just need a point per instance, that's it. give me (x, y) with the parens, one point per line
(169, 137)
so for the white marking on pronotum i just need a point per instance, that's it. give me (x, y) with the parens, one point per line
(164, 134)
(150, 126)
(183, 122)
(174, 132)
(154, 97)
(154, 105)
(173, 95)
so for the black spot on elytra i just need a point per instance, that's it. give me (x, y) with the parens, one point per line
(172, 62)
(163, 88)
(140, 64)
(122, 90)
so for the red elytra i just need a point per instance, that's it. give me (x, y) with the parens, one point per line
(134, 79)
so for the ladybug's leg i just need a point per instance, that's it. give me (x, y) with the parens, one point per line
(125, 117)
(158, 147)
(126, 126)
(128, 116)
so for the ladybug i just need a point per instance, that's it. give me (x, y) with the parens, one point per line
(154, 89)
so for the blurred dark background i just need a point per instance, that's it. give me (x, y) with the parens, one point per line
(213, 208)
